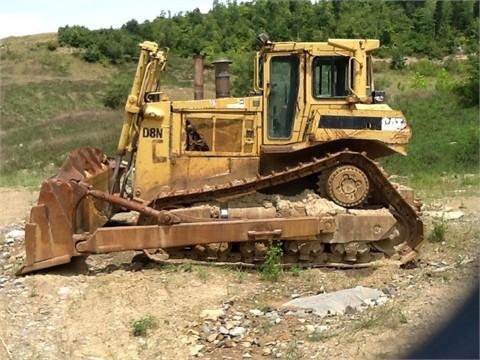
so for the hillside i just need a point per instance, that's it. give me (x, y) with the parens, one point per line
(52, 101)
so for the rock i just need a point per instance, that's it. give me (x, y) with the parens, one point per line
(321, 328)
(212, 337)
(349, 310)
(266, 351)
(212, 314)
(247, 323)
(223, 330)
(195, 350)
(310, 328)
(64, 292)
(247, 356)
(256, 312)
(294, 296)
(9, 241)
(389, 291)
(338, 301)
(16, 235)
(237, 331)
(445, 215)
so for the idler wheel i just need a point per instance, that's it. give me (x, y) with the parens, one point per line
(347, 186)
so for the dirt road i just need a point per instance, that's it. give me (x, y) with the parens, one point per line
(88, 310)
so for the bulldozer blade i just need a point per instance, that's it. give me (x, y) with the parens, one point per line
(63, 209)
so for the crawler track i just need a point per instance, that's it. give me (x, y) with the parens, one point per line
(385, 192)
(385, 196)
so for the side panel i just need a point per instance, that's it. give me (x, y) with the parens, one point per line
(198, 144)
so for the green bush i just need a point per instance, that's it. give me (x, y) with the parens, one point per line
(117, 90)
(418, 81)
(92, 54)
(52, 45)
(398, 60)
(445, 81)
(271, 268)
(469, 89)
(425, 67)
(380, 66)
(141, 326)
(438, 231)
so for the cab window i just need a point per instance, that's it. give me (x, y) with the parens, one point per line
(330, 76)
(283, 96)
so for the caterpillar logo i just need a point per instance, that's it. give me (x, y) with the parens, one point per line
(154, 133)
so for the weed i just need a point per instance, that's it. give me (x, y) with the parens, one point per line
(384, 316)
(476, 234)
(438, 231)
(265, 326)
(271, 268)
(295, 271)
(293, 352)
(33, 291)
(202, 274)
(317, 336)
(140, 327)
(418, 81)
(185, 267)
(240, 276)
(470, 180)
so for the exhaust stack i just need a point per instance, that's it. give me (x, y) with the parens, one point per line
(222, 77)
(198, 77)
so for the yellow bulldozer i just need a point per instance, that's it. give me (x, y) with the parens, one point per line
(312, 121)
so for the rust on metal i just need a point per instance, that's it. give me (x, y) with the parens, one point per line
(162, 216)
(49, 232)
(53, 240)
(153, 236)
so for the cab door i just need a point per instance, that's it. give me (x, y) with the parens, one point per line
(282, 81)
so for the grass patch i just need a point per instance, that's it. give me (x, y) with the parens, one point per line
(30, 179)
(202, 274)
(454, 146)
(240, 275)
(293, 351)
(318, 336)
(271, 268)
(141, 326)
(438, 231)
(295, 271)
(385, 316)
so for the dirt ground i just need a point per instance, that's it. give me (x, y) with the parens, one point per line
(87, 310)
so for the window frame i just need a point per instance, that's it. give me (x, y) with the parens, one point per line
(294, 62)
(330, 60)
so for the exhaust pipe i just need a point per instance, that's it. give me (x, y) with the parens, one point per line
(198, 77)
(222, 77)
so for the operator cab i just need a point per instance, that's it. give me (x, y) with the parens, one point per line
(293, 76)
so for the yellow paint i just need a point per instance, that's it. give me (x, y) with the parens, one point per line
(235, 129)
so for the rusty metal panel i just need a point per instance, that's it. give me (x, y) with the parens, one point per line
(366, 227)
(146, 237)
(53, 222)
